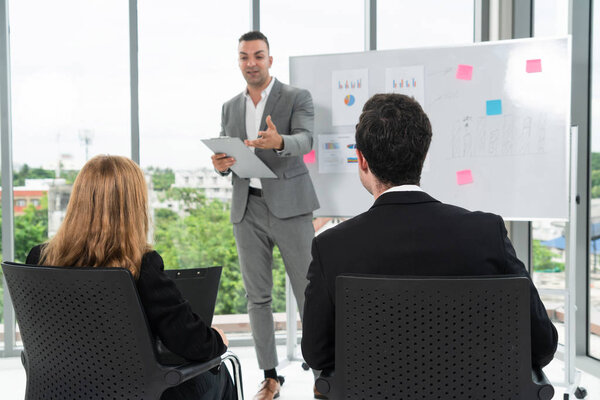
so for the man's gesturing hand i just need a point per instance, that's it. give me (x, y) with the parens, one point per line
(269, 139)
(222, 162)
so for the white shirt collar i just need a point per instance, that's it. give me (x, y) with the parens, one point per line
(404, 188)
(266, 91)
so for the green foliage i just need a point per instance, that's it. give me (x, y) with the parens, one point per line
(27, 172)
(1, 298)
(203, 236)
(543, 259)
(31, 229)
(162, 179)
(595, 175)
(69, 175)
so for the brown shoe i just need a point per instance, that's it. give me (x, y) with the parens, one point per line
(319, 395)
(269, 390)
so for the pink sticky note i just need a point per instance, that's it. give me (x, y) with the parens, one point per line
(464, 177)
(464, 72)
(534, 66)
(309, 158)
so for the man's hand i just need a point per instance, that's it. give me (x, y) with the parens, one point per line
(269, 139)
(222, 162)
(222, 334)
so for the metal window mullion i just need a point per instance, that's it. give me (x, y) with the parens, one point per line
(134, 81)
(8, 245)
(481, 25)
(370, 25)
(255, 15)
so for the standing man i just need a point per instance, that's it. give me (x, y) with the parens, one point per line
(277, 121)
(406, 231)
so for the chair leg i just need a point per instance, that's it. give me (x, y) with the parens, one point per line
(237, 373)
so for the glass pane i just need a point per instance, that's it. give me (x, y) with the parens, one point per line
(551, 18)
(70, 101)
(311, 27)
(404, 23)
(594, 228)
(188, 69)
(548, 237)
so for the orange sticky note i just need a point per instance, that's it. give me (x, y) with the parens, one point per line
(309, 158)
(464, 72)
(533, 66)
(464, 177)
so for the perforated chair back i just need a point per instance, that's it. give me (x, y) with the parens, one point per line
(412, 338)
(84, 332)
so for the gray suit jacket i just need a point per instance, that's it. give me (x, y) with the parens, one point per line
(292, 192)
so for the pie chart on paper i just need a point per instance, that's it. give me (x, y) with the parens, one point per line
(349, 100)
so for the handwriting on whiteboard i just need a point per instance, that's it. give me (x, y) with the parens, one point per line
(505, 136)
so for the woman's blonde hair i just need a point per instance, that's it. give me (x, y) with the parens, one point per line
(106, 224)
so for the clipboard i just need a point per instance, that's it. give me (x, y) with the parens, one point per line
(247, 164)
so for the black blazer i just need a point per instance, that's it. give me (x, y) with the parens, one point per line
(410, 233)
(169, 315)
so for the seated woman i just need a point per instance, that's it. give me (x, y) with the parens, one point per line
(106, 225)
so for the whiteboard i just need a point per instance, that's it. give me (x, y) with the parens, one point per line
(499, 113)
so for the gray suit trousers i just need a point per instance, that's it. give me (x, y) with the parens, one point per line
(255, 236)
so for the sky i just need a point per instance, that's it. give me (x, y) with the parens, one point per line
(70, 65)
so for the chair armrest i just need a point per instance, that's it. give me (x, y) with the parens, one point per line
(181, 373)
(325, 381)
(192, 370)
(545, 391)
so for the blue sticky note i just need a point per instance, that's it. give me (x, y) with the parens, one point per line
(493, 107)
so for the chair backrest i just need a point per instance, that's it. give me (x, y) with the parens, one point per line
(433, 338)
(85, 333)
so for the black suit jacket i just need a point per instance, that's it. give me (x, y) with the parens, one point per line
(410, 233)
(169, 315)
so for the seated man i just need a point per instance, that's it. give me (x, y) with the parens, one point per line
(406, 231)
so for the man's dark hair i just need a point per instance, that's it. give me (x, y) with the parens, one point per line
(393, 134)
(254, 35)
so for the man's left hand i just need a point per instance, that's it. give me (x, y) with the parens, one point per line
(269, 139)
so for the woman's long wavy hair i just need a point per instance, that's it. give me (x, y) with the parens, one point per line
(106, 224)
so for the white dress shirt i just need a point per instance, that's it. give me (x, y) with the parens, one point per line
(253, 117)
(404, 188)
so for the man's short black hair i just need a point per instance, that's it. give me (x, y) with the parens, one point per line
(254, 35)
(393, 134)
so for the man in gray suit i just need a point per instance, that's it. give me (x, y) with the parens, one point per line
(277, 121)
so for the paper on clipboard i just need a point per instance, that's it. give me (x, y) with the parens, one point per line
(247, 164)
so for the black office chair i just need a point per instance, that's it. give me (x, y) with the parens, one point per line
(85, 336)
(433, 338)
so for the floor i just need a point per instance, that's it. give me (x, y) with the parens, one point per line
(298, 383)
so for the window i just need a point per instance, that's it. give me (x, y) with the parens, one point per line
(187, 70)
(594, 222)
(311, 27)
(548, 237)
(403, 23)
(70, 101)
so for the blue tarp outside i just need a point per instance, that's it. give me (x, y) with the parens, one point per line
(559, 242)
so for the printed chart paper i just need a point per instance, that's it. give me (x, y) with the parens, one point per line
(407, 80)
(349, 92)
(337, 154)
